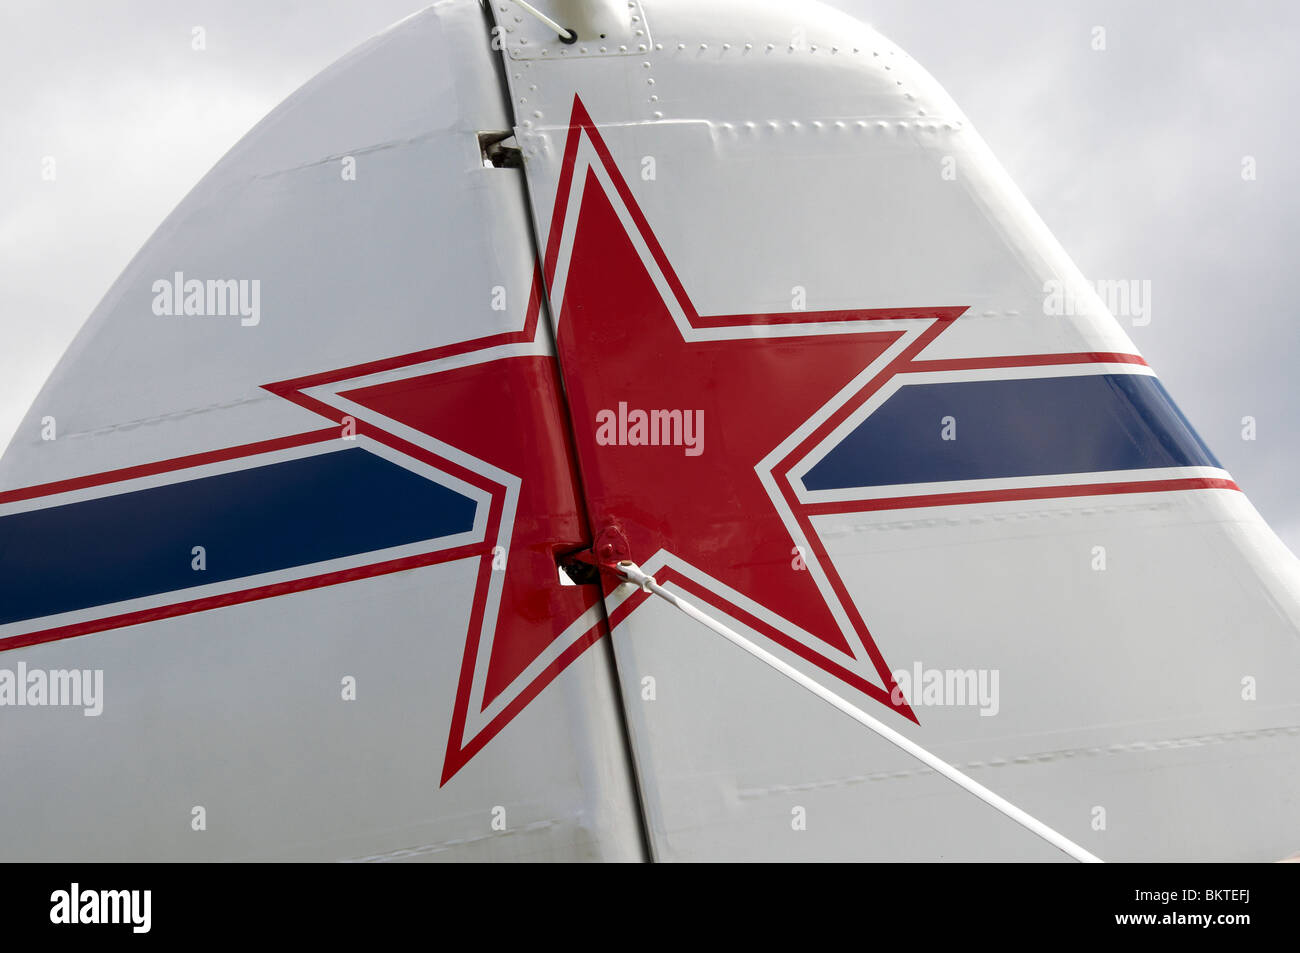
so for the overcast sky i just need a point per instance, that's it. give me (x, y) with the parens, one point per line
(1133, 155)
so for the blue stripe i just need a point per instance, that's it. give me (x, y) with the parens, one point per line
(1014, 428)
(250, 521)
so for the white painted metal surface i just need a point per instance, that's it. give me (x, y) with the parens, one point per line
(636, 576)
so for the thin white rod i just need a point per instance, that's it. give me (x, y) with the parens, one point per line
(635, 575)
(529, 8)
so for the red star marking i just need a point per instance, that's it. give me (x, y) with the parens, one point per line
(618, 342)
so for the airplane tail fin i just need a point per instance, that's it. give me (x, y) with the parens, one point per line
(728, 289)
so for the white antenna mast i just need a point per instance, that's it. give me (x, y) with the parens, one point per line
(567, 35)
